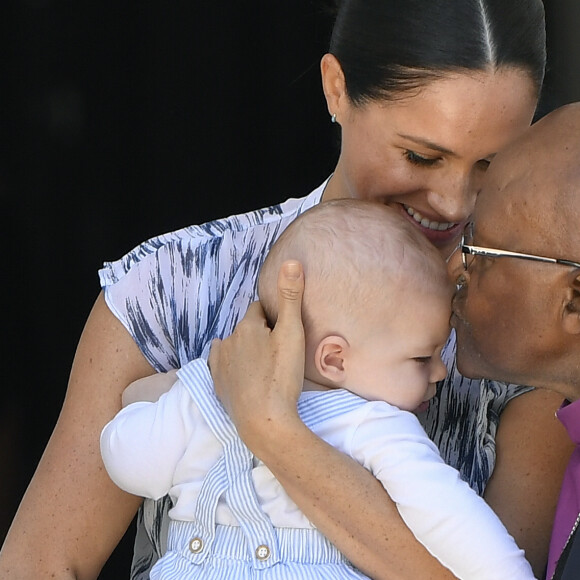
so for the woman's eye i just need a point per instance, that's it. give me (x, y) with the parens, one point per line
(417, 159)
(483, 164)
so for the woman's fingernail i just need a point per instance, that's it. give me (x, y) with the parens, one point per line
(292, 270)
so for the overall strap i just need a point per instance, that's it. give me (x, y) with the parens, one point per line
(326, 405)
(232, 475)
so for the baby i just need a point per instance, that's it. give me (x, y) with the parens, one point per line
(376, 316)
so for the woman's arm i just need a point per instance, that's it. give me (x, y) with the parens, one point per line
(72, 516)
(533, 449)
(342, 499)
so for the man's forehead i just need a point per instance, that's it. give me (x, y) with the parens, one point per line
(531, 192)
(519, 190)
(507, 194)
(517, 217)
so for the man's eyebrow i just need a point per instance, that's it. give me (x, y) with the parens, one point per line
(428, 144)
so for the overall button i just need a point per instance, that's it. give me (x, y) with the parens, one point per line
(196, 545)
(262, 552)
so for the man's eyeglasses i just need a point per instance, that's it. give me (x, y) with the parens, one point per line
(468, 250)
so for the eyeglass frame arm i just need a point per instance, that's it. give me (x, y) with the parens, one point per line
(493, 253)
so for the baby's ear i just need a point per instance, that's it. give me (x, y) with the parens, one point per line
(330, 358)
(571, 318)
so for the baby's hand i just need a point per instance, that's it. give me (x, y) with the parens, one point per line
(148, 388)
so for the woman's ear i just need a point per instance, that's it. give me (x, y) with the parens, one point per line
(333, 85)
(571, 318)
(330, 358)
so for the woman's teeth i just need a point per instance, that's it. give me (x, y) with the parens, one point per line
(438, 226)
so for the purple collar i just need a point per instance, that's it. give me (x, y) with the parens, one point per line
(569, 415)
(569, 502)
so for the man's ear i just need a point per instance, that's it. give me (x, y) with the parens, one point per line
(571, 319)
(330, 358)
(333, 85)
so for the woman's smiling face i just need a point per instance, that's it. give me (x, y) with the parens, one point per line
(427, 153)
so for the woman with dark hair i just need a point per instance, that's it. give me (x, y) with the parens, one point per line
(425, 93)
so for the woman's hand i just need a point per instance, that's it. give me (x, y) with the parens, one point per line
(259, 372)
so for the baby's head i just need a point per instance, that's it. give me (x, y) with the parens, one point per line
(376, 301)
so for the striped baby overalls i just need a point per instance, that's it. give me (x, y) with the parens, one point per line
(204, 549)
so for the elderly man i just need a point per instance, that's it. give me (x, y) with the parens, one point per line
(520, 264)
(516, 314)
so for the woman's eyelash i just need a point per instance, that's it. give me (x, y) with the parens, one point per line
(417, 159)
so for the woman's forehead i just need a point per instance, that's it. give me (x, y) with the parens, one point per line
(486, 108)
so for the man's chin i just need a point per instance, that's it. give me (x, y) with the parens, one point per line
(470, 362)
(467, 364)
(468, 359)
(469, 371)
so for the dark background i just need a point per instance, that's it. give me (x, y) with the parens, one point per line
(123, 120)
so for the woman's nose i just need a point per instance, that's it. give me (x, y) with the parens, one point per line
(454, 196)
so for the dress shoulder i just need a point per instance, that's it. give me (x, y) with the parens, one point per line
(175, 292)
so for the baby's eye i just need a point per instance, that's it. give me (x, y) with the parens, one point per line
(417, 159)
(422, 359)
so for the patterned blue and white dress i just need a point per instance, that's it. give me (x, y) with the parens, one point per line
(176, 292)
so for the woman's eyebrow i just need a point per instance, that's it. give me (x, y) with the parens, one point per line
(428, 144)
